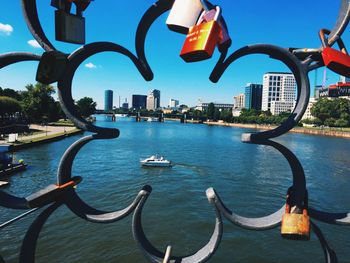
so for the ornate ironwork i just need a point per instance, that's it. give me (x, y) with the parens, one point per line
(299, 61)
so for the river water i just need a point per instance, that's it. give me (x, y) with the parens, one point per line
(252, 180)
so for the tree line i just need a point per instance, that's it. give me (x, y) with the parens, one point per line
(36, 104)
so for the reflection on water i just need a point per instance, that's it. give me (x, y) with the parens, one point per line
(251, 179)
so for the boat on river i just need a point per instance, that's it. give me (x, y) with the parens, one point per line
(155, 161)
(8, 165)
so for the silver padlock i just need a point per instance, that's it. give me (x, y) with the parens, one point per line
(183, 15)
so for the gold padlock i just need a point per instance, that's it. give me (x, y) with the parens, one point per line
(295, 225)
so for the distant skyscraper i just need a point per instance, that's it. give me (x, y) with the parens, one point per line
(173, 103)
(239, 101)
(279, 92)
(108, 100)
(125, 104)
(253, 96)
(139, 101)
(153, 100)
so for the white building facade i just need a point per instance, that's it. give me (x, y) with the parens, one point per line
(239, 101)
(307, 114)
(173, 103)
(279, 92)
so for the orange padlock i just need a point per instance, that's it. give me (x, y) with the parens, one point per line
(202, 39)
(296, 224)
(335, 60)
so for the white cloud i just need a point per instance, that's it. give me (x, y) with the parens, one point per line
(90, 65)
(6, 29)
(34, 43)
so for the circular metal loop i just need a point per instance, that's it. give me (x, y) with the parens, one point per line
(273, 220)
(8, 200)
(154, 255)
(301, 78)
(30, 14)
(75, 203)
(150, 16)
(65, 84)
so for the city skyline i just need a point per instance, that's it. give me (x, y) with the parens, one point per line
(175, 78)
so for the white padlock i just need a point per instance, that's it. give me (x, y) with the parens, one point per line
(183, 15)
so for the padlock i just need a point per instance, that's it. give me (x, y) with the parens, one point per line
(202, 39)
(335, 60)
(51, 67)
(69, 28)
(225, 39)
(296, 224)
(183, 15)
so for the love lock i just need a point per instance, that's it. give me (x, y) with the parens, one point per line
(202, 39)
(68, 27)
(296, 224)
(335, 60)
(183, 15)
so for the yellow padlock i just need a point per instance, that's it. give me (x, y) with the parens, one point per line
(296, 225)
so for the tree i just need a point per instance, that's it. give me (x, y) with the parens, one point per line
(9, 106)
(37, 101)
(211, 111)
(10, 93)
(86, 106)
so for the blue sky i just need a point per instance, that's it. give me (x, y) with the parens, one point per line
(280, 22)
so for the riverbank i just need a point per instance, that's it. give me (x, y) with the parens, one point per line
(46, 134)
(333, 132)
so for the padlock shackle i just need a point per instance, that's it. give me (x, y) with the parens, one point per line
(324, 40)
(216, 18)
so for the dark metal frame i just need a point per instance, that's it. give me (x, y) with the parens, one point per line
(298, 61)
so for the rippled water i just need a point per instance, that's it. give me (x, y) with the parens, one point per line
(251, 179)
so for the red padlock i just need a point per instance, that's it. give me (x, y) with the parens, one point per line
(202, 39)
(335, 60)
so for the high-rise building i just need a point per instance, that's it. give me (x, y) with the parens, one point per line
(139, 101)
(239, 101)
(108, 100)
(279, 92)
(125, 104)
(153, 100)
(253, 96)
(173, 103)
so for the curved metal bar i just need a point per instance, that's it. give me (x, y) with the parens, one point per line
(75, 203)
(330, 218)
(273, 220)
(65, 84)
(298, 69)
(14, 57)
(10, 201)
(260, 223)
(151, 15)
(27, 254)
(154, 255)
(84, 211)
(329, 254)
(342, 22)
(30, 14)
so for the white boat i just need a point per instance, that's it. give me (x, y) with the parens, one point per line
(150, 119)
(155, 161)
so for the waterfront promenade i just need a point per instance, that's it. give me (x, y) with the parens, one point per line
(43, 134)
